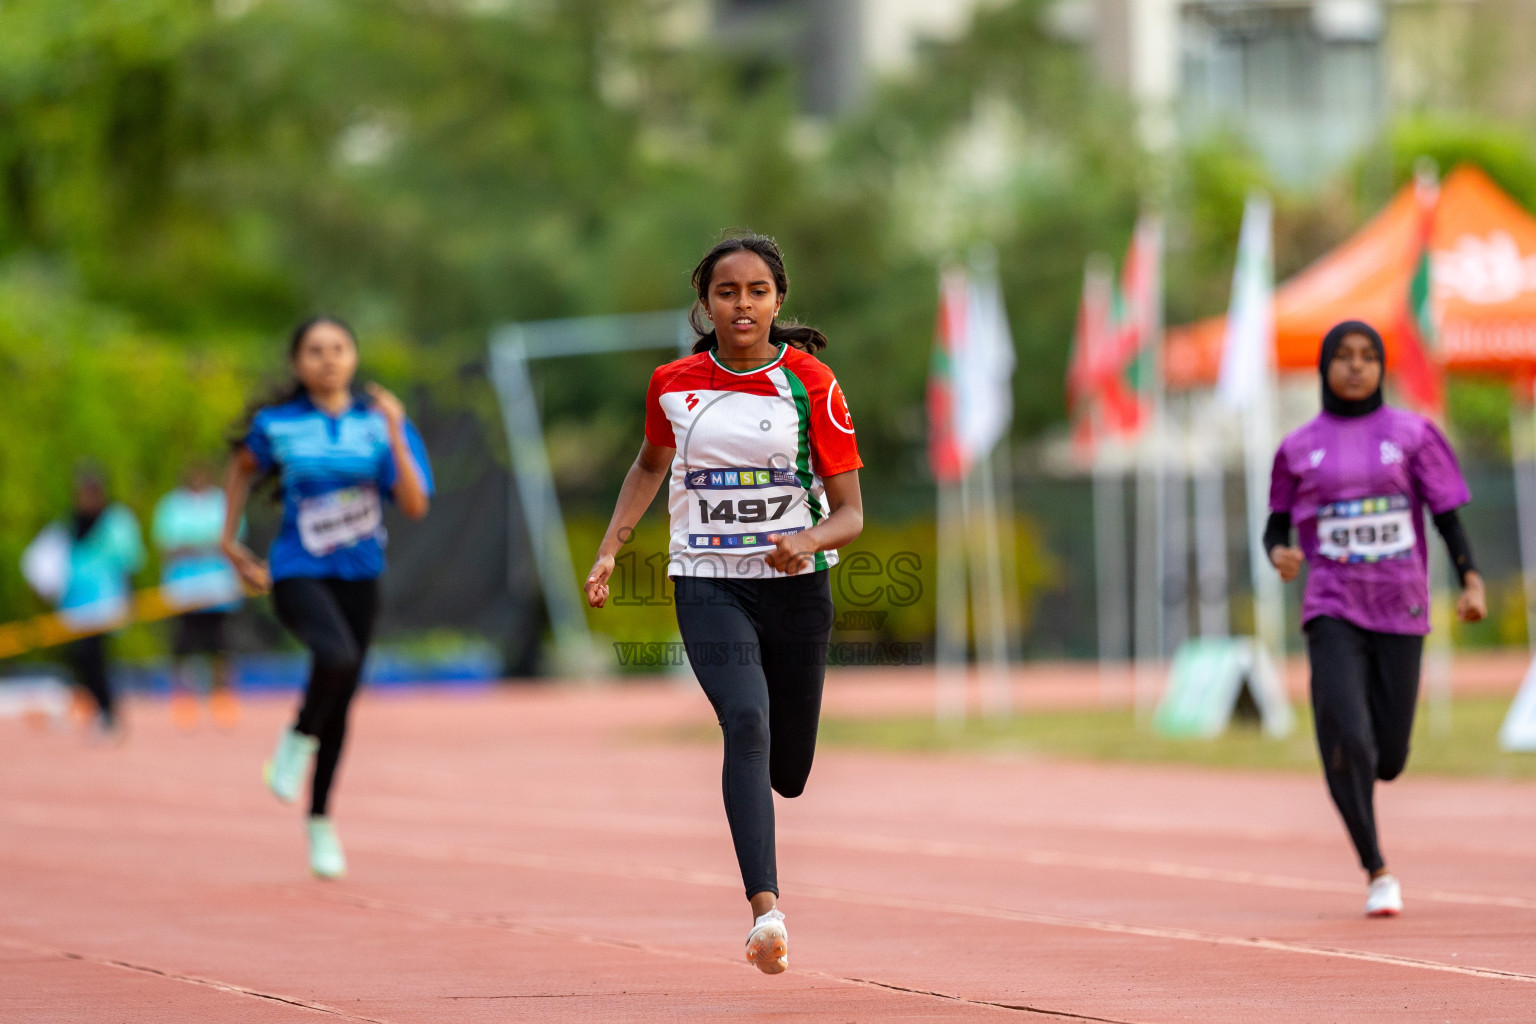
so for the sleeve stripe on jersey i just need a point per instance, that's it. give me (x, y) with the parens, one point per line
(803, 452)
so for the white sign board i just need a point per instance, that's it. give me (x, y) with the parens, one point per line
(1207, 678)
(1519, 729)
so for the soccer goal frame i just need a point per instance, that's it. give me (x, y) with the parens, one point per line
(514, 348)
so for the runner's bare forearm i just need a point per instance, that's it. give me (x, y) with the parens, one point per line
(237, 488)
(410, 494)
(846, 520)
(640, 486)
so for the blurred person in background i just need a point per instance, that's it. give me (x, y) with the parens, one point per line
(1357, 479)
(187, 528)
(83, 564)
(334, 456)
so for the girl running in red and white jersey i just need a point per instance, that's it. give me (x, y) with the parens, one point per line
(764, 489)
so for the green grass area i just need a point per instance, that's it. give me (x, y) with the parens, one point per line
(1469, 748)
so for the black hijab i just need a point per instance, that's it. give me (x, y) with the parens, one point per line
(1331, 341)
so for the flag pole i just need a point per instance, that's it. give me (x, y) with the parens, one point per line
(1212, 580)
(952, 614)
(987, 593)
(1258, 435)
(1008, 555)
(1096, 351)
(1110, 566)
(1175, 531)
(1150, 486)
(1438, 649)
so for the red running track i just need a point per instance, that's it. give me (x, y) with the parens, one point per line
(541, 855)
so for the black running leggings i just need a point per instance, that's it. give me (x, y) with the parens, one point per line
(759, 649)
(334, 619)
(88, 658)
(1365, 687)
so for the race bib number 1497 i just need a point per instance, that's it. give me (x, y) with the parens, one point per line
(742, 508)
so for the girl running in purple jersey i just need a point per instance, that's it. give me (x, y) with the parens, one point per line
(1356, 480)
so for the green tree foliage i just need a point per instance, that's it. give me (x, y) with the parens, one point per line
(81, 382)
(180, 180)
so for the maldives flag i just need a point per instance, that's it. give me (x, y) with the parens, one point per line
(1102, 396)
(1109, 372)
(1140, 313)
(1418, 371)
(944, 455)
(1088, 338)
(970, 382)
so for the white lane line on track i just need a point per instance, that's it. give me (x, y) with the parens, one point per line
(1131, 865)
(501, 923)
(1066, 1014)
(630, 871)
(188, 979)
(677, 826)
(37, 814)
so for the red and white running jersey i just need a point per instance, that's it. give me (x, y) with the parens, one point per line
(752, 449)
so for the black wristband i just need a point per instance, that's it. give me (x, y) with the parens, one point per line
(1456, 544)
(1277, 532)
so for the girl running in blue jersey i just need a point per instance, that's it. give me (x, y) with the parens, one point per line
(335, 457)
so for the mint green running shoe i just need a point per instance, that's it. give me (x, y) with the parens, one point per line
(325, 857)
(284, 773)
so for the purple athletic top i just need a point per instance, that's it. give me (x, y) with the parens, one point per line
(1356, 488)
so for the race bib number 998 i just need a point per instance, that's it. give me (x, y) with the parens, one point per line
(339, 519)
(1366, 530)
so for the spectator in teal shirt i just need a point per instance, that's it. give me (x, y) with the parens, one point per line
(194, 572)
(83, 563)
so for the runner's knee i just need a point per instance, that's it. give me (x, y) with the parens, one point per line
(1391, 764)
(338, 657)
(790, 784)
(745, 728)
(1348, 753)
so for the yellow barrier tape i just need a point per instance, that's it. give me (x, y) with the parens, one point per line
(149, 605)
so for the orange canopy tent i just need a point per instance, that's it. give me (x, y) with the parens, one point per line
(1483, 265)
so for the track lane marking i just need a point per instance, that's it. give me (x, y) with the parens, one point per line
(188, 979)
(502, 923)
(632, 872)
(681, 828)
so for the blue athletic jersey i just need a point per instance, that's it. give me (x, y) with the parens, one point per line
(334, 471)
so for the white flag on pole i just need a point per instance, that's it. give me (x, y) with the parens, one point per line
(1247, 354)
(984, 363)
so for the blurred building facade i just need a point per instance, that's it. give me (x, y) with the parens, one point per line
(1307, 83)
(839, 46)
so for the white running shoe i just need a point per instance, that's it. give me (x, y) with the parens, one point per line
(1384, 898)
(768, 944)
(285, 772)
(326, 859)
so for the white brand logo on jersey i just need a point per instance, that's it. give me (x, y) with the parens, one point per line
(837, 409)
(1390, 453)
(1317, 456)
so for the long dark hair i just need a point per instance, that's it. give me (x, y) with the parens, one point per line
(801, 336)
(285, 392)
